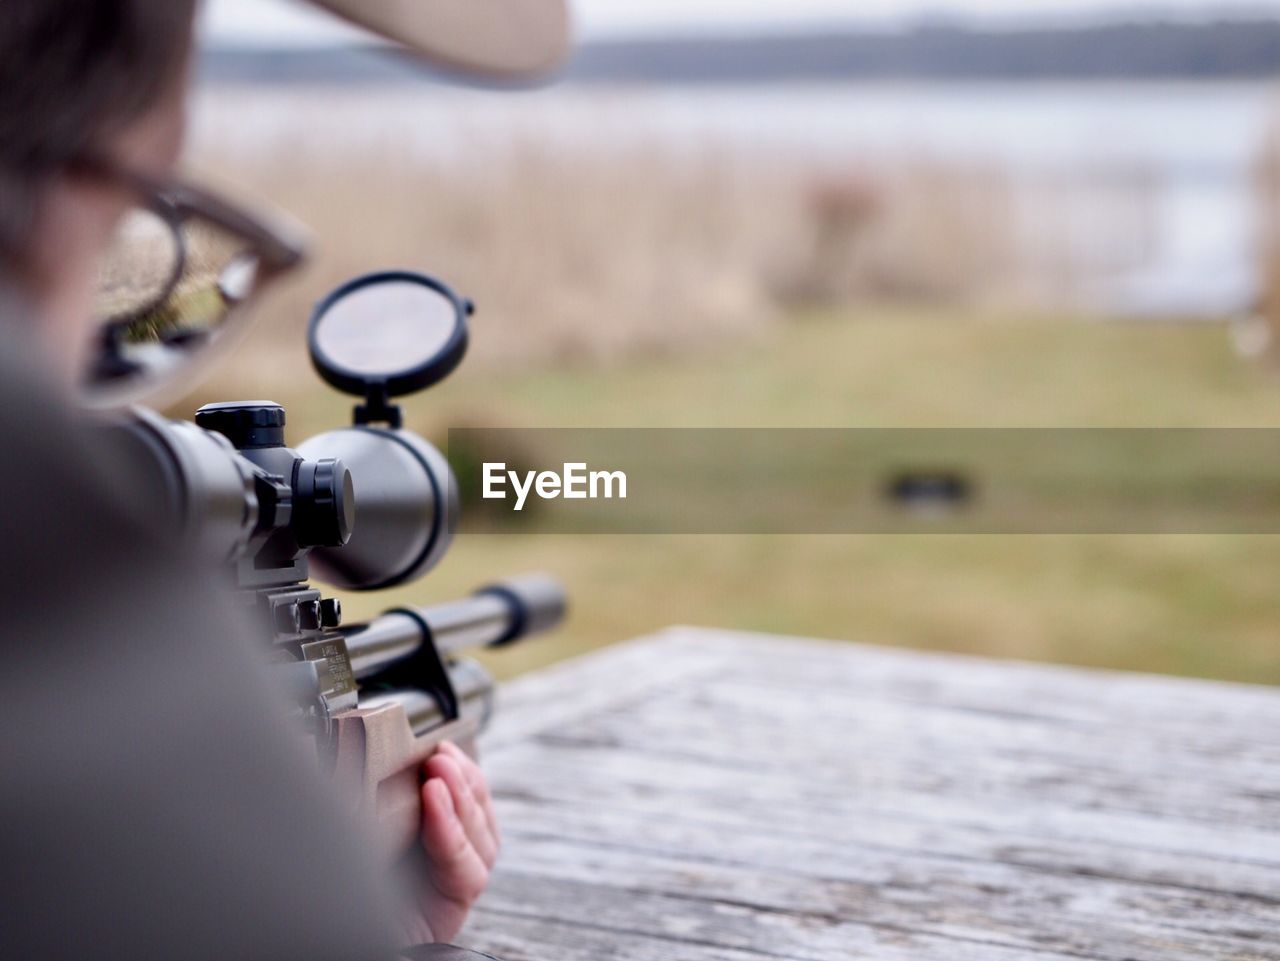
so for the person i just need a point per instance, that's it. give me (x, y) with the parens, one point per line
(153, 802)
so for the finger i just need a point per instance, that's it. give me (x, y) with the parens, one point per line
(479, 786)
(457, 871)
(469, 812)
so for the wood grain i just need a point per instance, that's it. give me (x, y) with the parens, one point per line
(708, 795)
(379, 766)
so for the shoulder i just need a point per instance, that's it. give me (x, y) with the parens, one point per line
(63, 502)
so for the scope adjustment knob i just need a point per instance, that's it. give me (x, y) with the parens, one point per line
(324, 503)
(248, 424)
(309, 616)
(286, 618)
(330, 612)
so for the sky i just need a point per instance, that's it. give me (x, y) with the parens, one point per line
(287, 21)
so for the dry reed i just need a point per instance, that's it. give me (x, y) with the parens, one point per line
(586, 256)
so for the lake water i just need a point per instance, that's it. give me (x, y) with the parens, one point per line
(1194, 147)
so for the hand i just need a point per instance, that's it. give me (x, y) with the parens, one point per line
(460, 835)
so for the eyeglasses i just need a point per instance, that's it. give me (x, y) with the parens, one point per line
(174, 283)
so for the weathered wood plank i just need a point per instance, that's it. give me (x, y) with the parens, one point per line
(555, 697)
(1235, 753)
(988, 902)
(940, 765)
(723, 924)
(1075, 843)
(707, 795)
(519, 937)
(572, 768)
(1051, 690)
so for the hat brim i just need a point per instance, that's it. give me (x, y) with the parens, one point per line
(519, 40)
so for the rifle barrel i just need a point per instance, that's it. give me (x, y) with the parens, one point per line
(497, 615)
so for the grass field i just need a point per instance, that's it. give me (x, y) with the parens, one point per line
(1195, 605)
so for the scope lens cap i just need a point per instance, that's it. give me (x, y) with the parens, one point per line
(388, 334)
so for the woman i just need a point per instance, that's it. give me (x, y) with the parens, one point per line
(151, 802)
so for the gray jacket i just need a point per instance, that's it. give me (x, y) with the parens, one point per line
(151, 804)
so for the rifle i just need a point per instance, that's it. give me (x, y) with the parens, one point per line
(363, 508)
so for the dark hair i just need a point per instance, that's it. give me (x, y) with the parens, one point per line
(71, 72)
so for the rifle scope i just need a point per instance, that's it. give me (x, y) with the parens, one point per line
(363, 507)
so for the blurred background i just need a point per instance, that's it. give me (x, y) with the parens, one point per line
(813, 214)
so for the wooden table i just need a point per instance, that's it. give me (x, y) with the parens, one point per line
(706, 795)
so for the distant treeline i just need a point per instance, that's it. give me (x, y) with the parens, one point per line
(1118, 51)
(1136, 51)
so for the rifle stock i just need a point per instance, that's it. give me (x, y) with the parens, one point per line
(381, 758)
